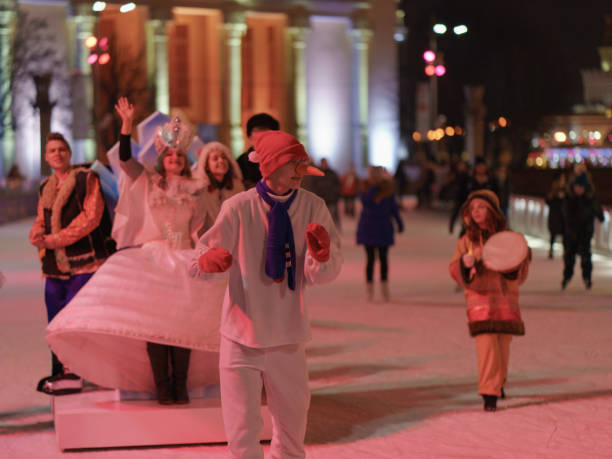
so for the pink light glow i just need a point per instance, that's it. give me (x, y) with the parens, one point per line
(440, 70)
(429, 56)
(430, 70)
(104, 59)
(103, 42)
(92, 59)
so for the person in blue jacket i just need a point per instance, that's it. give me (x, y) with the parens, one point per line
(375, 228)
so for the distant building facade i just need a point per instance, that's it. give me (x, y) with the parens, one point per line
(326, 69)
(586, 134)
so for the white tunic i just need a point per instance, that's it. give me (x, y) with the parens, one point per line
(258, 312)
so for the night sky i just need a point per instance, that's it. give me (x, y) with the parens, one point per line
(527, 54)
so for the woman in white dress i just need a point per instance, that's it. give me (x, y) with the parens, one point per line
(142, 311)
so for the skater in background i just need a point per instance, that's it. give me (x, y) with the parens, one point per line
(503, 187)
(460, 192)
(491, 296)
(72, 231)
(580, 208)
(350, 186)
(554, 200)
(375, 227)
(328, 187)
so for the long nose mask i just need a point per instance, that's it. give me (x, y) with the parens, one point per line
(306, 169)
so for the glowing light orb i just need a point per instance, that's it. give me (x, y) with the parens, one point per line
(104, 59)
(440, 29)
(127, 7)
(440, 70)
(429, 56)
(98, 6)
(430, 70)
(560, 136)
(92, 59)
(460, 29)
(90, 42)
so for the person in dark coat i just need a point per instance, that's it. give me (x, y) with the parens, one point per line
(375, 229)
(460, 193)
(327, 187)
(579, 211)
(260, 122)
(503, 187)
(350, 185)
(554, 200)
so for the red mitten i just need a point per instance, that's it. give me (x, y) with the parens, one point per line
(317, 239)
(215, 260)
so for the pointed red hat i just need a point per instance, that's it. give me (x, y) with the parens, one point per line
(272, 149)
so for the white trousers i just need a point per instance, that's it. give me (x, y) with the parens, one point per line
(283, 372)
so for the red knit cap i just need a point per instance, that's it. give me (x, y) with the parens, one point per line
(272, 149)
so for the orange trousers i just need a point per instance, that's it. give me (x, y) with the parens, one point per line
(493, 353)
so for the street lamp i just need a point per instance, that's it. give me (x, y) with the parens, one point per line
(98, 49)
(435, 67)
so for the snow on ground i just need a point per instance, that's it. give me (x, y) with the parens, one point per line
(389, 380)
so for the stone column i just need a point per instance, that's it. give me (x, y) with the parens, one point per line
(7, 22)
(83, 25)
(361, 74)
(475, 111)
(298, 37)
(234, 29)
(157, 57)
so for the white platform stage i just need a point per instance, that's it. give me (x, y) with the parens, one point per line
(99, 419)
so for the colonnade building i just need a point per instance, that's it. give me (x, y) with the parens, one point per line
(327, 70)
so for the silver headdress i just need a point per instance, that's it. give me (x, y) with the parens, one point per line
(174, 134)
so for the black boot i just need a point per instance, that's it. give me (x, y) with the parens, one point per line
(57, 369)
(180, 368)
(158, 355)
(490, 402)
(564, 283)
(60, 382)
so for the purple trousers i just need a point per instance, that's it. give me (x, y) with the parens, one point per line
(59, 292)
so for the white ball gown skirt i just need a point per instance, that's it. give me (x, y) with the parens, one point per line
(139, 295)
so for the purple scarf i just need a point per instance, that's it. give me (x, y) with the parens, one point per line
(280, 251)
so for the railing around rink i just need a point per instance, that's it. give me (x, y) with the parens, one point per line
(529, 215)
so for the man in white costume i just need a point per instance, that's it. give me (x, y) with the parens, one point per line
(274, 239)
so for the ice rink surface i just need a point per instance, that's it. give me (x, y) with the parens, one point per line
(388, 380)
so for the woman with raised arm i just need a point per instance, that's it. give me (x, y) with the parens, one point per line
(145, 302)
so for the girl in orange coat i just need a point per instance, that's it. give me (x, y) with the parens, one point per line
(491, 296)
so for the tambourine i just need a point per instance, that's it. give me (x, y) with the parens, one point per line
(505, 251)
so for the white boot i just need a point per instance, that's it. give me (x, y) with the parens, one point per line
(385, 290)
